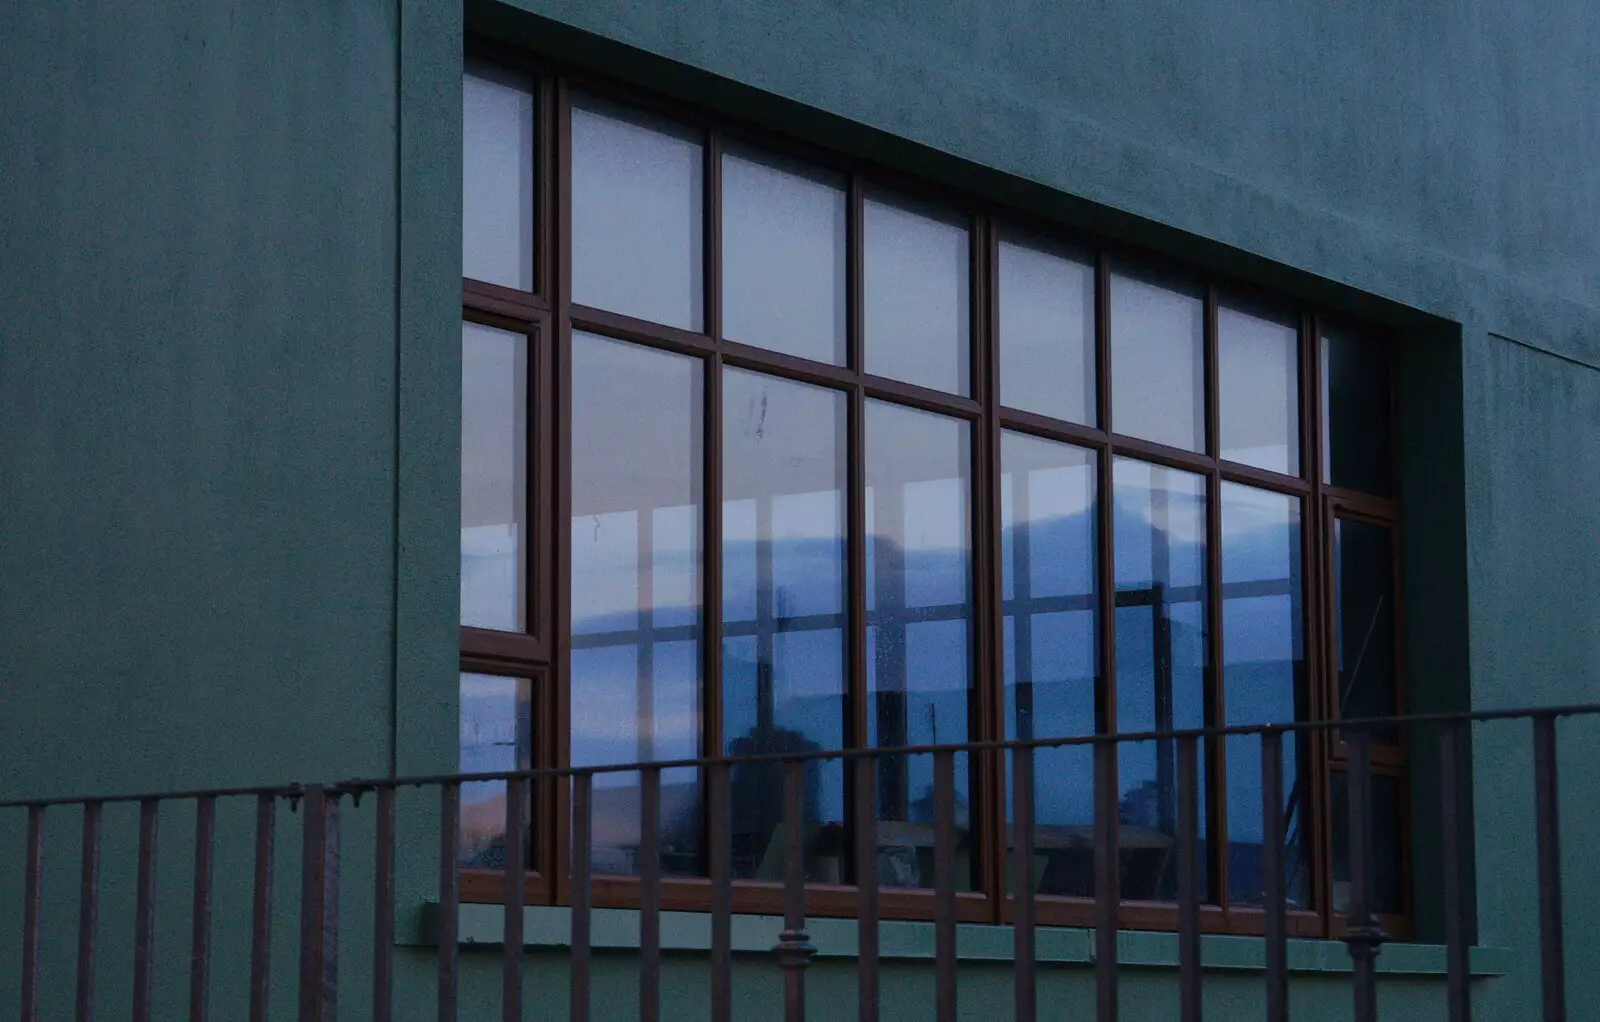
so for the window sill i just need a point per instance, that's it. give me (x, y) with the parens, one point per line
(481, 926)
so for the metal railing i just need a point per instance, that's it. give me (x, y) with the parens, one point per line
(320, 807)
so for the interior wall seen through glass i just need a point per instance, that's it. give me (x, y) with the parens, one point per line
(1159, 517)
(918, 316)
(1387, 878)
(494, 462)
(497, 176)
(496, 724)
(1048, 559)
(1364, 599)
(1047, 331)
(1258, 387)
(637, 230)
(1264, 682)
(1356, 413)
(919, 616)
(785, 623)
(1157, 362)
(637, 463)
(783, 256)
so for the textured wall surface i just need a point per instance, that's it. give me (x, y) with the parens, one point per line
(197, 385)
(228, 364)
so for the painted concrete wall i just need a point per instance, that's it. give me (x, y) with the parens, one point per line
(197, 393)
(228, 355)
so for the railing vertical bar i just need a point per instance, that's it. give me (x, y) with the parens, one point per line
(144, 911)
(1188, 879)
(944, 910)
(866, 827)
(205, 830)
(330, 908)
(794, 948)
(649, 896)
(32, 910)
(513, 896)
(1105, 879)
(1274, 899)
(1361, 930)
(319, 905)
(721, 897)
(1552, 955)
(383, 906)
(582, 787)
(1024, 987)
(1458, 966)
(88, 911)
(449, 897)
(260, 910)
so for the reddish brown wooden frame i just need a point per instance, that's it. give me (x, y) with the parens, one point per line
(548, 316)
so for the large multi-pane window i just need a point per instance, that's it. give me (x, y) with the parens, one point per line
(764, 450)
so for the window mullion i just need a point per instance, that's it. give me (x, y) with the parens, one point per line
(713, 739)
(557, 847)
(855, 703)
(1106, 911)
(1216, 784)
(989, 627)
(1318, 630)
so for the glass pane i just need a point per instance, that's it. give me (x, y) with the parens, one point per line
(636, 487)
(1264, 679)
(1158, 362)
(496, 721)
(1047, 513)
(1047, 348)
(1258, 402)
(783, 256)
(1364, 580)
(1162, 644)
(1387, 867)
(1355, 411)
(636, 215)
(497, 210)
(919, 612)
(783, 687)
(917, 316)
(494, 462)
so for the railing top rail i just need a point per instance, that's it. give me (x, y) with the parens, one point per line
(356, 786)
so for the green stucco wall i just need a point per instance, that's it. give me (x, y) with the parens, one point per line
(228, 264)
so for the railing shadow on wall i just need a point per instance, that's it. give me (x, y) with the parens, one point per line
(320, 808)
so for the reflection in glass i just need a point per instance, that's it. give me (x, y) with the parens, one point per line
(1264, 681)
(783, 688)
(1047, 340)
(1386, 866)
(1363, 558)
(1047, 501)
(919, 613)
(1158, 362)
(636, 215)
(783, 256)
(1355, 412)
(494, 460)
(497, 176)
(496, 723)
(636, 486)
(1162, 643)
(917, 314)
(1258, 403)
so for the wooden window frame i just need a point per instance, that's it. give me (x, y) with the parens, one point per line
(548, 317)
